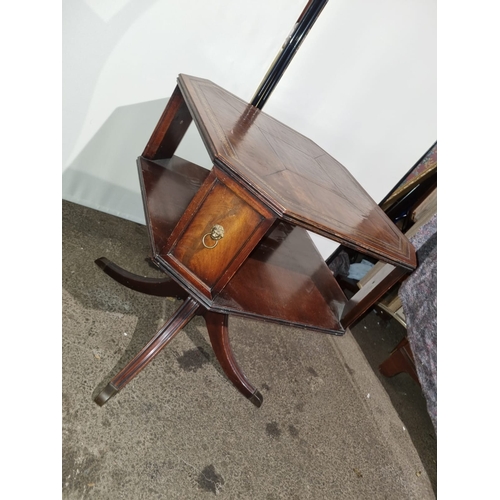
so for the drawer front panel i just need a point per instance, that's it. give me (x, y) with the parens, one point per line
(239, 222)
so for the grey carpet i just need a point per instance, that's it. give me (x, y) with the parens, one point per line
(179, 430)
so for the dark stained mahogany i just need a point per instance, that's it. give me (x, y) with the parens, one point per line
(370, 294)
(267, 187)
(170, 130)
(219, 201)
(217, 326)
(292, 174)
(285, 280)
(161, 287)
(167, 332)
(401, 360)
(181, 180)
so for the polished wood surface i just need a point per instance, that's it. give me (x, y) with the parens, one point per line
(160, 287)
(401, 360)
(291, 174)
(165, 334)
(371, 293)
(238, 220)
(218, 331)
(217, 326)
(179, 180)
(243, 219)
(284, 279)
(170, 129)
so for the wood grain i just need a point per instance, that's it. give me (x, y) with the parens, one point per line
(297, 179)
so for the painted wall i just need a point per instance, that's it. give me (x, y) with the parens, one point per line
(362, 86)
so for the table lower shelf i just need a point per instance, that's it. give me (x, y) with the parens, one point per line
(284, 280)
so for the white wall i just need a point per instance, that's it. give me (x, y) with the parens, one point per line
(363, 84)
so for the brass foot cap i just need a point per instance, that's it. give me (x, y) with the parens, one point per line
(102, 262)
(256, 398)
(108, 392)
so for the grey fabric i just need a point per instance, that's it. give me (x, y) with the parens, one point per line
(418, 294)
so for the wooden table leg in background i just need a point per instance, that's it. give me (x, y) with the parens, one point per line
(371, 293)
(401, 360)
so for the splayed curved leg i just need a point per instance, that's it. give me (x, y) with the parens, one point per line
(168, 331)
(161, 287)
(217, 325)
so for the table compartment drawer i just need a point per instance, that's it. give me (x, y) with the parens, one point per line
(216, 236)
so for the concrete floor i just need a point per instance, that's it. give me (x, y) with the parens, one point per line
(328, 428)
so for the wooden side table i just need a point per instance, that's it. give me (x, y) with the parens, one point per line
(233, 240)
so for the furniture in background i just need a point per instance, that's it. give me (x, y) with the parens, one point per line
(401, 360)
(234, 240)
(412, 205)
(416, 216)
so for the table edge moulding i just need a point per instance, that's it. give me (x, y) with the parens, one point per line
(234, 239)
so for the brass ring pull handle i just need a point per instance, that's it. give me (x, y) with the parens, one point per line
(216, 233)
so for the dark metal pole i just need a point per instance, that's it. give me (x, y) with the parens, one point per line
(292, 43)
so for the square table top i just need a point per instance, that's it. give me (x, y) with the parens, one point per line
(292, 175)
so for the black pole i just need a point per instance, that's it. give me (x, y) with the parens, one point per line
(292, 43)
